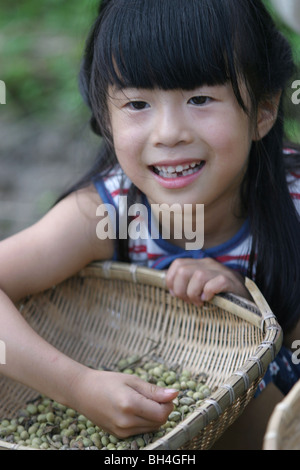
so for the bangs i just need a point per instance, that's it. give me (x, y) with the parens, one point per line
(168, 44)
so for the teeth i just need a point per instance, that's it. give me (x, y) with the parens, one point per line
(171, 171)
(188, 172)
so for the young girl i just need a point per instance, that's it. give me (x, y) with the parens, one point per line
(188, 98)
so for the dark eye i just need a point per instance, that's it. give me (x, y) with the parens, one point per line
(137, 105)
(200, 100)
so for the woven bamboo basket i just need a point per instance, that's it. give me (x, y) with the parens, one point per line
(112, 310)
(283, 430)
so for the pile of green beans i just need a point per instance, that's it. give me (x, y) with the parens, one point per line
(46, 424)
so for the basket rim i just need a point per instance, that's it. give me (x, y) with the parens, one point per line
(256, 312)
(239, 383)
(282, 415)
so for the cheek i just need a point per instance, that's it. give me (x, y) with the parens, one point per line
(126, 137)
(128, 151)
(230, 140)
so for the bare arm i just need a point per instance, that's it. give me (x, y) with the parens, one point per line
(52, 250)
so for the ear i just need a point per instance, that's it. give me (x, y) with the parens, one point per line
(266, 116)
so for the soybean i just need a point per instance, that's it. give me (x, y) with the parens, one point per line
(47, 424)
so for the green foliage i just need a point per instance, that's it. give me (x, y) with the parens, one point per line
(41, 44)
(291, 35)
(292, 111)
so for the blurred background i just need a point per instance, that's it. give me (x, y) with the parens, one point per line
(45, 139)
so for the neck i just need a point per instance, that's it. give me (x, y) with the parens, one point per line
(218, 231)
(212, 226)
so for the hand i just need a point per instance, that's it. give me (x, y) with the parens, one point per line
(198, 280)
(122, 404)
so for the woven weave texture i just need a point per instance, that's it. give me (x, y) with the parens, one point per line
(107, 313)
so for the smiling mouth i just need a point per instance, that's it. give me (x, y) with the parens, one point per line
(177, 171)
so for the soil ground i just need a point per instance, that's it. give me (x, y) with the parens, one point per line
(38, 161)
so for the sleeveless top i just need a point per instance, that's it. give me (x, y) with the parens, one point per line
(148, 248)
(151, 250)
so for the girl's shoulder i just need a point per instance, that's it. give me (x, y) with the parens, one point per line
(294, 188)
(292, 160)
(112, 185)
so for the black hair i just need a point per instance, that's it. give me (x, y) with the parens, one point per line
(182, 44)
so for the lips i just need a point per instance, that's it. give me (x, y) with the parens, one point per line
(169, 171)
(177, 176)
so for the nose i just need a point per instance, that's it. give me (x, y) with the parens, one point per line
(171, 127)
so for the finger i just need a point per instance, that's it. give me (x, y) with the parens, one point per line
(127, 426)
(153, 413)
(182, 280)
(173, 270)
(139, 426)
(215, 286)
(136, 412)
(145, 413)
(196, 285)
(154, 403)
(155, 393)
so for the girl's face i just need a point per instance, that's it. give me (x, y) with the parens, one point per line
(187, 147)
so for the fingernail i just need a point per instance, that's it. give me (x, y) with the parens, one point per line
(170, 391)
